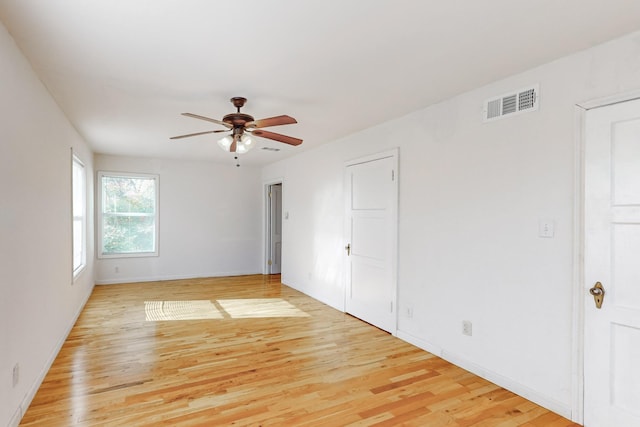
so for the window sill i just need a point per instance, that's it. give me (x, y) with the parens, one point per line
(128, 255)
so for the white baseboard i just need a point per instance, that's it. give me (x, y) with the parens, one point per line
(17, 416)
(31, 392)
(419, 342)
(504, 382)
(113, 281)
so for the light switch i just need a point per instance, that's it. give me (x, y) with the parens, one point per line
(546, 228)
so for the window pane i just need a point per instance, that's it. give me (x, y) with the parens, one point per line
(128, 233)
(78, 190)
(128, 195)
(128, 214)
(78, 253)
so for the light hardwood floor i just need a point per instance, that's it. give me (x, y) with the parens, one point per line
(251, 366)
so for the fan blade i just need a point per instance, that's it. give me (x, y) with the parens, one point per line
(271, 121)
(234, 144)
(197, 133)
(220, 122)
(277, 137)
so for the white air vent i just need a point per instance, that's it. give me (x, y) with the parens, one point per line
(511, 104)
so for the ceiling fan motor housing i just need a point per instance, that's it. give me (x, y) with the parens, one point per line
(237, 119)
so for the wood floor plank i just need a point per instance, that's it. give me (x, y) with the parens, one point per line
(271, 356)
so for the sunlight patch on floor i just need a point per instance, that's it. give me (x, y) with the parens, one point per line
(260, 307)
(180, 310)
(228, 308)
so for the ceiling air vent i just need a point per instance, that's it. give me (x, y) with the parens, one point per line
(511, 104)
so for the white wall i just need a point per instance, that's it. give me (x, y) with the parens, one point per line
(471, 196)
(39, 300)
(210, 221)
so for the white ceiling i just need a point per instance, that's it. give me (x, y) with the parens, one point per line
(123, 71)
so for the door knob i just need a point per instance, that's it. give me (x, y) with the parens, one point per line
(348, 249)
(598, 294)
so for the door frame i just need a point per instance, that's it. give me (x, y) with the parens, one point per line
(578, 320)
(394, 153)
(266, 225)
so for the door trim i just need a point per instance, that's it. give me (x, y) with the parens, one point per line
(266, 215)
(394, 153)
(577, 333)
(578, 321)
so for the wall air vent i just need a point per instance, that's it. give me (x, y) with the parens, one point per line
(270, 149)
(511, 104)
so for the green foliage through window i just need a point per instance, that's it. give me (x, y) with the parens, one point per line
(128, 214)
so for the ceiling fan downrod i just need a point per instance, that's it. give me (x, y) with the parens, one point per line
(238, 102)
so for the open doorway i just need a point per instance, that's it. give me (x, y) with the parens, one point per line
(273, 228)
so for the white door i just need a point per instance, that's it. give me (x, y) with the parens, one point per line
(275, 228)
(612, 257)
(371, 240)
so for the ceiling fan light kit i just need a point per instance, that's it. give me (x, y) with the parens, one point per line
(243, 145)
(243, 128)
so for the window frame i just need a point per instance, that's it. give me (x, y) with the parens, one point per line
(76, 162)
(100, 227)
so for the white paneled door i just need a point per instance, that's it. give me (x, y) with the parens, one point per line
(371, 239)
(612, 258)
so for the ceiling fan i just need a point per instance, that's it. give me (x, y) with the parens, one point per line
(241, 126)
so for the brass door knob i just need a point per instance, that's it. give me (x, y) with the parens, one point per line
(598, 294)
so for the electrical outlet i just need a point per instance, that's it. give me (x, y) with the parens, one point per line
(408, 311)
(467, 327)
(117, 269)
(16, 374)
(546, 228)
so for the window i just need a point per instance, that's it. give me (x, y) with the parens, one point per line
(128, 209)
(79, 209)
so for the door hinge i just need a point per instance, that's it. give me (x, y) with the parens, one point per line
(269, 193)
(393, 175)
(270, 262)
(391, 306)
